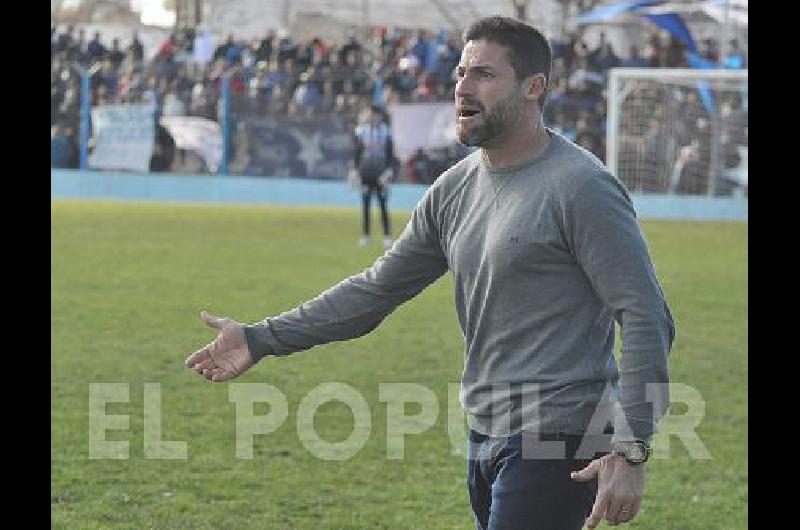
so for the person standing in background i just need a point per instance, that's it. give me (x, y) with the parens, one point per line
(373, 170)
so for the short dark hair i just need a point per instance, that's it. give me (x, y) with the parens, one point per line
(529, 52)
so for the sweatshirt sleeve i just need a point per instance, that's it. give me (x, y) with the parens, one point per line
(356, 305)
(609, 246)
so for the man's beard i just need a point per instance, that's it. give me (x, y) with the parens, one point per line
(504, 116)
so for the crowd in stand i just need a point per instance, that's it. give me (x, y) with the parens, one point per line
(277, 75)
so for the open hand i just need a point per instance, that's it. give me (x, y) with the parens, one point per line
(227, 356)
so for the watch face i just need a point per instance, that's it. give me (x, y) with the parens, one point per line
(636, 453)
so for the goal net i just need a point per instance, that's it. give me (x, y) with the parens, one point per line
(678, 131)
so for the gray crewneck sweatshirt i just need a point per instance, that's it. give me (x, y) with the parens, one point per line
(545, 256)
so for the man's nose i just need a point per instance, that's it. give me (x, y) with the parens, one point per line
(464, 87)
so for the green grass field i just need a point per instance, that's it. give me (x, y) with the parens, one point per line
(128, 283)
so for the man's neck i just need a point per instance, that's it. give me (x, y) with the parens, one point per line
(518, 146)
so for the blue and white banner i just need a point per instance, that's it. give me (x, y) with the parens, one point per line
(315, 147)
(123, 136)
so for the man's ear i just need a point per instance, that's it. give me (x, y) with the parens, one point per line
(534, 86)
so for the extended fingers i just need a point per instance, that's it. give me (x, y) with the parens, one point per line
(629, 511)
(223, 375)
(204, 365)
(217, 374)
(587, 473)
(614, 511)
(212, 321)
(200, 355)
(621, 510)
(598, 511)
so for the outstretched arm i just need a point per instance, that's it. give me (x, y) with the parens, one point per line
(348, 310)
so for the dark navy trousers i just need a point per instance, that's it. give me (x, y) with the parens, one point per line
(523, 482)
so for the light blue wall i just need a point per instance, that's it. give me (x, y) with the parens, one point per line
(160, 187)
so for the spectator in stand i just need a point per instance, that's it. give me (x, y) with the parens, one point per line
(735, 58)
(307, 96)
(128, 82)
(202, 102)
(56, 90)
(256, 92)
(360, 74)
(709, 50)
(115, 55)
(579, 58)
(64, 40)
(320, 51)
(421, 48)
(305, 54)
(63, 151)
(95, 51)
(166, 52)
(685, 167)
(150, 93)
(163, 150)
(448, 57)
(689, 116)
(418, 167)
(334, 75)
(221, 51)
(406, 79)
(674, 55)
(592, 57)
(656, 151)
(76, 53)
(635, 60)
(203, 46)
(277, 81)
(183, 85)
(426, 88)
(265, 47)
(187, 38)
(604, 59)
(249, 59)
(234, 55)
(100, 96)
(587, 135)
(287, 49)
(352, 45)
(106, 77)
(136, 50)
(571, 51)
(653, 52)
(53, 43)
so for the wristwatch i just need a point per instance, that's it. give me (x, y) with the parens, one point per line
(635, 452)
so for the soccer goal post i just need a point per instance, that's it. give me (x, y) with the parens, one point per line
(676, 130)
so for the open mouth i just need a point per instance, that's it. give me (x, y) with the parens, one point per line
(468, 113)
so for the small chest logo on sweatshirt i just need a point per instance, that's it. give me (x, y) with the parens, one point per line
(514, 240)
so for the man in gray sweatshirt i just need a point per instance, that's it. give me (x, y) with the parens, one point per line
(546, 254)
